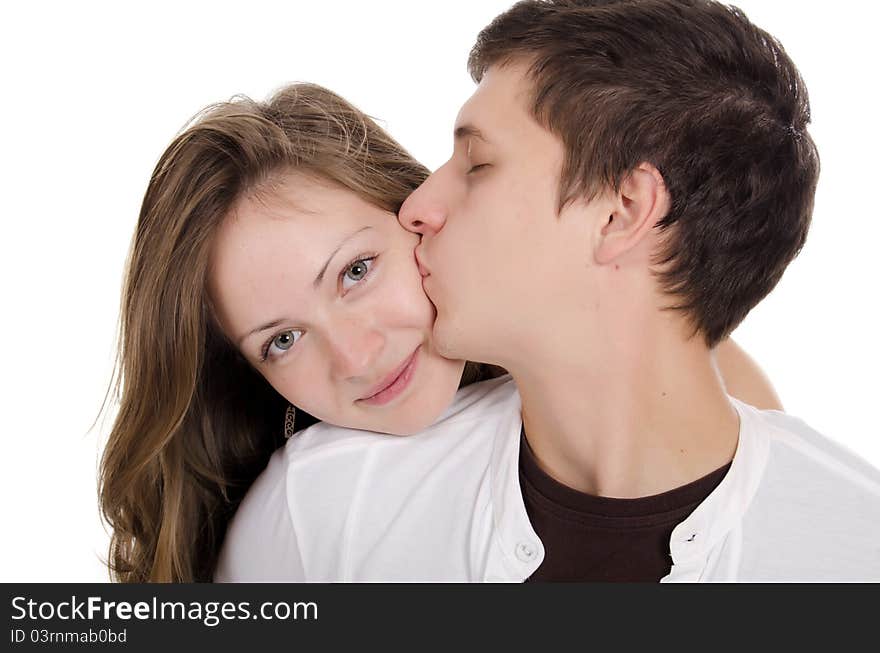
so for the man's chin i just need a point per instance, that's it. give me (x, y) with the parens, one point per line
(447, 338)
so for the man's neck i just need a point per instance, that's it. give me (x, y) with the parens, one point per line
(631, 419)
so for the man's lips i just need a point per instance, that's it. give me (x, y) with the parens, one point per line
(423, 269)
(391, 378)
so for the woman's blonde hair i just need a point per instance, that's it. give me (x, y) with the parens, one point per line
(196, 424)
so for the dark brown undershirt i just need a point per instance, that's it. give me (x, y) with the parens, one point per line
(590, 538)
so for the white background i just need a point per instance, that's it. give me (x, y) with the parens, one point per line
(93, 92)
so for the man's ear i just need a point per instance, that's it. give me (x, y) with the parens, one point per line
(639, 204)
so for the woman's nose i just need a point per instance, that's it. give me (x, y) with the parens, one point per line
(355, 351)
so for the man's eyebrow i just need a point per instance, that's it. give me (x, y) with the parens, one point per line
(465, 131)
(274, 323)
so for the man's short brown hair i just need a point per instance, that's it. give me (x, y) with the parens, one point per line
(708, 98)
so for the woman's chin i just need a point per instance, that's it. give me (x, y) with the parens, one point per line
(426, 401)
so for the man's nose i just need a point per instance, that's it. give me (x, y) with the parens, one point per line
(424, 211)
(355, 350)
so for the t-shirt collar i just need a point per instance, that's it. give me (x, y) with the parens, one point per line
(696, 537)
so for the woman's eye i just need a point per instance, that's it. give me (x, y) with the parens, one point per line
(281, 343)
(284, 341)
(477, 168)
(356, 271)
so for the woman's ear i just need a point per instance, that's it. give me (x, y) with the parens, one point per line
(640, 203)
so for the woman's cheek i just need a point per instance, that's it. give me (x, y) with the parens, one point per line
(288, 379)
(402, 300)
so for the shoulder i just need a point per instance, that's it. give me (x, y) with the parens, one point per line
(488, 397)
(334, 460)
(799, 447)
(482, 402)
(817, 501)
(300, 509)
(260, 543)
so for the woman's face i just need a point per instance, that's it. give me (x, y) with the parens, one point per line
(321, 293)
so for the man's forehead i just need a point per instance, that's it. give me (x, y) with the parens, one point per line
(503, 91)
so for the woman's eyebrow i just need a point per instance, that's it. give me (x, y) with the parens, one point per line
(268, 325)
(320, 276)
(274, 323)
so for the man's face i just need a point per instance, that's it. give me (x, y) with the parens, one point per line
(496, 257)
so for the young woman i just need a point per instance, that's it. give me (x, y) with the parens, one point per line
(268, 270)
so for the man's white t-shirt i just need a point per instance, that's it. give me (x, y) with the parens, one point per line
(338, 504)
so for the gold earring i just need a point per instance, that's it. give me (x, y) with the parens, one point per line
(289, 420)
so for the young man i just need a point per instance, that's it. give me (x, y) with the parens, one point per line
(628, 181)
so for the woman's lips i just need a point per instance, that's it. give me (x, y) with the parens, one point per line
(395, 383)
